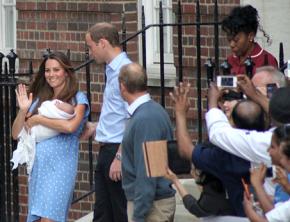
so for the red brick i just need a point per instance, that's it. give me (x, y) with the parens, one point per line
(51, 6)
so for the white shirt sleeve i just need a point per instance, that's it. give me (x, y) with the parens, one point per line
(280, 213)
(249, 145)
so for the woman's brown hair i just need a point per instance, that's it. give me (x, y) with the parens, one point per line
(43, 91)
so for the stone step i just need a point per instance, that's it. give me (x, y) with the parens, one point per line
(181, 214)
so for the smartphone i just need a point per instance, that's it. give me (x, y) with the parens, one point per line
(227, 81)
(271, 88)
(271, 172)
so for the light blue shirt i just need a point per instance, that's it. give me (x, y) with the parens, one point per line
(114, 113)
(280, 194)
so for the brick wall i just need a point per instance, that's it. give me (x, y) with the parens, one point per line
(61, 25)
(188, 11)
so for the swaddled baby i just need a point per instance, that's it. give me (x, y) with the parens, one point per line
(25, 152)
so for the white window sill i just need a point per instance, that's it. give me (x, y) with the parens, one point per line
(153, 73)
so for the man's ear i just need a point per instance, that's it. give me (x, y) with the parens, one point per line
(103, 42)
(123, 90)
(122, 86)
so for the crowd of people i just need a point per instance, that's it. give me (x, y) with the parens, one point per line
(248, 135)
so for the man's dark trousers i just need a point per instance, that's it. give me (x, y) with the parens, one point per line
(110, 202)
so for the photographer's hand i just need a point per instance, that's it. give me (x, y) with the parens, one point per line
(246, 85)
(257, 179)
(213, 95)
(258, 175)
(248, 88)
(282, 178)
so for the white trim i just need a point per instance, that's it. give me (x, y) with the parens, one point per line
(3, 48)
(152, 58)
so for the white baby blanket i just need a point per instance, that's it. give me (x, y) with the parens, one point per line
(25, 151)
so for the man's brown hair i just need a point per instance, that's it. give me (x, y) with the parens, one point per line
(106, 31)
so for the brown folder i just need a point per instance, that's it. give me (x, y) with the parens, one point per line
(155, 157)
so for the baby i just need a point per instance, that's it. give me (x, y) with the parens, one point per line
(25, 152)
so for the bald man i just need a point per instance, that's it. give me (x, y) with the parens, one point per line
(149, 199)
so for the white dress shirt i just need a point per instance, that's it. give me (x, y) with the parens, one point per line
(138, 102)
(247, 144)
(250, 145)
(280, 213)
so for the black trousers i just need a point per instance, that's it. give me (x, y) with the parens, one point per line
(110, 200)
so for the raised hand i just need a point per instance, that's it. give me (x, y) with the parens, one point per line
(281, 176)
(180, 98)
(213, 95)
(23, 100)
(246, 85)
(258, 175)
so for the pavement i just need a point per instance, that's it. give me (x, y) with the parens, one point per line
(181, 214)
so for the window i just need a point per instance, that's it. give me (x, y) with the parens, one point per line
(7, 25)
(151, 10)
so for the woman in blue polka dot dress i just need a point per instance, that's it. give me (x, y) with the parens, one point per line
(52, 179)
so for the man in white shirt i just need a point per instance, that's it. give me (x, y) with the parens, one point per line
(249, 145)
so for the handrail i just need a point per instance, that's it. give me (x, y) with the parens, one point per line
(168, 24)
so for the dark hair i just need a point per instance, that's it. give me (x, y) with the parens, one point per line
(282, 135)
(280, 105)
(43, 91)
(107, 31)
(232, 95)
(134, 77)
(243, 19)
(249, 115)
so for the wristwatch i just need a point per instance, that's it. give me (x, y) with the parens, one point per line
(118, 156)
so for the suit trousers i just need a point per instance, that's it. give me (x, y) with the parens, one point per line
(110, 200)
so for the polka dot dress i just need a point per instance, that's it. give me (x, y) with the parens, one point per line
(54, 171)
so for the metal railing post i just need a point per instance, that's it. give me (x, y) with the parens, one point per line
(198, 67)
(11, 58)
(216, 38)
(124, 32)
(161, 48)
(179, 34)
(143, 39)
(2, 152)
(88, 85)
(7, 145)
(1, 62)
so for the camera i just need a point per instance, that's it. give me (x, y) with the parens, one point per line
(227, 81)
(271, 88)
(271, 172)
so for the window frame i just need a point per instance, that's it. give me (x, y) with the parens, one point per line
(3, 42)
(152, 54)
